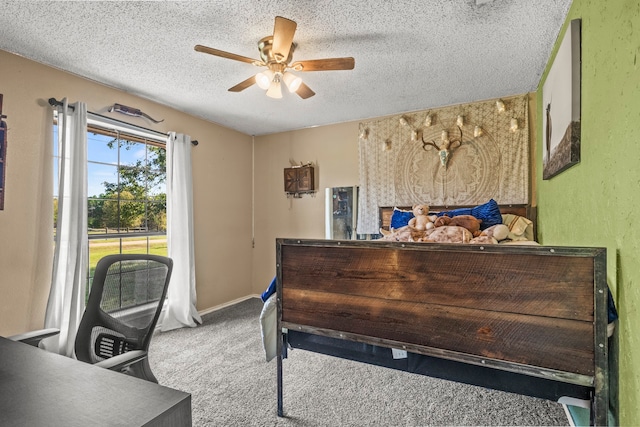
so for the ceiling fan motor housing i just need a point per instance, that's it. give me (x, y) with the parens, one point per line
(267, 55)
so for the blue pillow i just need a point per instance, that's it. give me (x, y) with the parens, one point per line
(489, 213)
(400, 218)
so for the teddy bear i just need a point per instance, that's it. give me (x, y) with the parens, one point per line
(421, 219)
(492, 235)
(469, 222)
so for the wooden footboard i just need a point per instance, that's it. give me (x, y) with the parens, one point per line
(533, 311)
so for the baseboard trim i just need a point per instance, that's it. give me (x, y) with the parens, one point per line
(227, 304)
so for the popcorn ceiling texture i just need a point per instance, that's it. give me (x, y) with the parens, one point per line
(409, 55)
(397, 171)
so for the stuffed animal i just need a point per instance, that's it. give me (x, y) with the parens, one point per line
(498, 232)
(441, 221)
(421, 219)
(469, 222)
(492, 235)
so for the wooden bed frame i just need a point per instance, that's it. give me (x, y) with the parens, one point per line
(530, 320)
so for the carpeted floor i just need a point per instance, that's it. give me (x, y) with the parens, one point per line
(222, 364)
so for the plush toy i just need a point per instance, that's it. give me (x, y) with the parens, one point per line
(421, 219)
(498, 232)
(469, 222)
(441, 221)
(492, 235)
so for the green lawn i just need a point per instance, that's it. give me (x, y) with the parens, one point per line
(100, 248)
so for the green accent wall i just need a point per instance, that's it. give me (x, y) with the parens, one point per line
(594, 203)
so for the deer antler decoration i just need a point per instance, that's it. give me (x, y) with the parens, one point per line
(446, 146)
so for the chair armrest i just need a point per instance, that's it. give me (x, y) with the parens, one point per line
(34, 337)
(117, 363)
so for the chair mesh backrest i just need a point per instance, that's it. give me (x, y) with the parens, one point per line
(124, 303)
(131, 283)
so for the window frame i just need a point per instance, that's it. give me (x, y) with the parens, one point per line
(121, 135)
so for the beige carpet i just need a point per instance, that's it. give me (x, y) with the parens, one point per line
(222, 364)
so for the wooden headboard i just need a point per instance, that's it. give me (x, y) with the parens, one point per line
(526, 211)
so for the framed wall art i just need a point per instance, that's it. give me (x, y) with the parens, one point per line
(561, 106)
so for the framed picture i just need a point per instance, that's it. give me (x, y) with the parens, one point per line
(561, 106)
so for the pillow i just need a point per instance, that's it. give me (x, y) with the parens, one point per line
(489, 213)
(520, 228)
(400, 218)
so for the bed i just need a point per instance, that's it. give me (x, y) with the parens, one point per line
(524, 319)
(386, 213)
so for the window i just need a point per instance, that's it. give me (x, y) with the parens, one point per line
(126, 196)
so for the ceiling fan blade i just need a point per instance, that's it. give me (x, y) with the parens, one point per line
(223, 54)
(283, 32)
(325, 64)
(305, 91)
(243, 84)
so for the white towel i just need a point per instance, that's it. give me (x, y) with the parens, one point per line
(268, 326)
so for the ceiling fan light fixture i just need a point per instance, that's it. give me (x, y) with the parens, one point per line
(275, 90)
(292, 81)
(264, 79)
(276, 55)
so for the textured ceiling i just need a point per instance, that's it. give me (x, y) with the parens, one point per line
(410, 55)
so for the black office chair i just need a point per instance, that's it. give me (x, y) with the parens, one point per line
(124, 305)
(35, 337)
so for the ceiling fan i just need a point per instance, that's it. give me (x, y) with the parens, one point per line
(276, 53)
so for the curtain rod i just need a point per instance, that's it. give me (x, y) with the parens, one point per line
(55, 103)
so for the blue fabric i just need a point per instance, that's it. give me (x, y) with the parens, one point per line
(270, 291)
(489, 213)
(400, 218)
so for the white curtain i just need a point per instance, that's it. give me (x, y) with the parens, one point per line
(180, 309)
(69, 278)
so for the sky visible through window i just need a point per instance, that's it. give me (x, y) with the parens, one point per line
(103, 162)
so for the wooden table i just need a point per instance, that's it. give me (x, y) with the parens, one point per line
(38, 388)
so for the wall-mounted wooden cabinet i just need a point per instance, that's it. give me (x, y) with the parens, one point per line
(299, 180)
